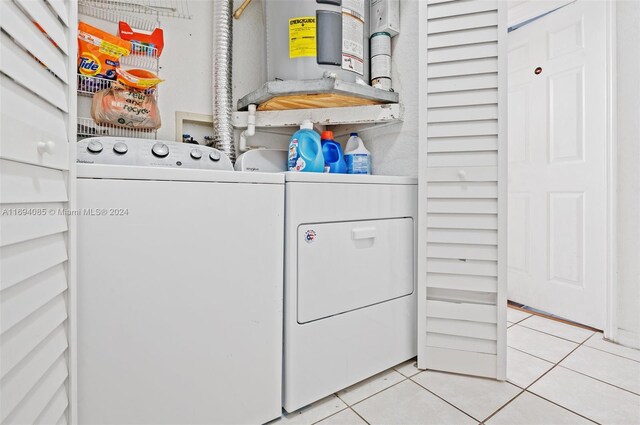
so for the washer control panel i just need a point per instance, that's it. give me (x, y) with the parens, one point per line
(150, 153)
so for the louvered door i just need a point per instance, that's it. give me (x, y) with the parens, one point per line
(462, 178)
(37, 96)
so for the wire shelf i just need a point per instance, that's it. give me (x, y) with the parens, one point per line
(135, 21)
(141, 56)
(87, 127)
(88, 86)
(130, 11)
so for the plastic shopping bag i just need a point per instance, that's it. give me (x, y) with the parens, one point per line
(126, 107)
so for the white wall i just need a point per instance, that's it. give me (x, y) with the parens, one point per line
(395, 148)
(628, 207)
(186, 65)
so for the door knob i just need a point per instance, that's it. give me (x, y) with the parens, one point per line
(46, 147)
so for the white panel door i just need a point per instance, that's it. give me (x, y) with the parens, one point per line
(523, 10)
(557, 163)
(462, 188)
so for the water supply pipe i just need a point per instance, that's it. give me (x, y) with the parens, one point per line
(250, 131)
(222, 65)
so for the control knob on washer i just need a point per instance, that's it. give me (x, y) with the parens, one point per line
(120, 148)
(196, 153)
(94, 146)
(160, 150)
(214, 156)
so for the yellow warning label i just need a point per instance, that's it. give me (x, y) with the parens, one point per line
(302, 37)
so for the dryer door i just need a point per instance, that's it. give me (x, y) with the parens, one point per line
(345, 266)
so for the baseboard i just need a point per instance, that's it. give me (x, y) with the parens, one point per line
(628, 338)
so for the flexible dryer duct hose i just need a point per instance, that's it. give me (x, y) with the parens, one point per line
(222, 61)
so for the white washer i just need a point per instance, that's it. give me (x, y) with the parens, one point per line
(350, 292)
(179, 287)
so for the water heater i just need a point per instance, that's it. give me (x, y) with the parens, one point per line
(306, 38)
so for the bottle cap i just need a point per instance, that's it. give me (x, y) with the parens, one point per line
(306, 125)
(327, 135)
(354, 134)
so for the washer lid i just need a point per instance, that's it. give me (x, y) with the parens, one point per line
(127, 172)
(347, 178)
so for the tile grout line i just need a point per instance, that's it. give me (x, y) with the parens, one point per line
(504, 405)
(359, 415)
(554, 365)
(333, 414)
(613, 354)
(521, 320)
(532, 355)
(522, 390)
(599, 380)
(547, 372)
(350, 406)
(559, 337)
(526, 389)
(540, 377)
(562, 407)
(578, 372)
(376, 393)
(536, 395)
(449, 403)
(555, 336)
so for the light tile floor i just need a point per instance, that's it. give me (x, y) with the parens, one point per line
(556, 374)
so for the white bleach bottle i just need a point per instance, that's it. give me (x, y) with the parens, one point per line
(357, 157)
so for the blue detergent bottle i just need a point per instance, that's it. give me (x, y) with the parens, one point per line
(305, 150)
(332, 152)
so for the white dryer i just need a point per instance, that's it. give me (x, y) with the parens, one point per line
(350, 280)
(179, 286)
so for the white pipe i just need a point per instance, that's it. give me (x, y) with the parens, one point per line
(250, 131)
